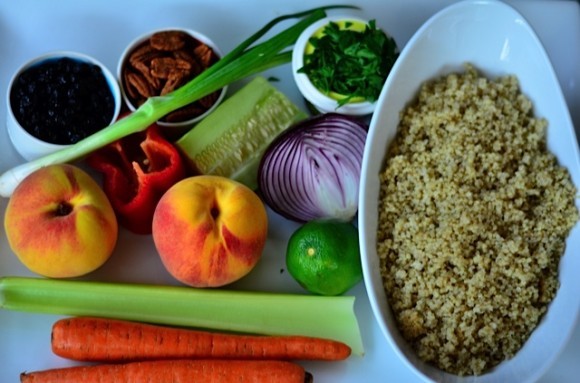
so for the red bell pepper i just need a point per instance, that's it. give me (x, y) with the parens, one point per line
(137, 170)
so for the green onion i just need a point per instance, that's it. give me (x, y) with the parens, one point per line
(229, 310)
(245, 60)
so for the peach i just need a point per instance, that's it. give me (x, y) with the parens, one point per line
(59, 222)
(209, 230)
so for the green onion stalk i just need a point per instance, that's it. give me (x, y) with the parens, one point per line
(245, 60)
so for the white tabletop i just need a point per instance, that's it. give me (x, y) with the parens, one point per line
(103, 28)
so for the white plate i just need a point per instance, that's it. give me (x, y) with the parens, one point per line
(498, 41)
(103, 29)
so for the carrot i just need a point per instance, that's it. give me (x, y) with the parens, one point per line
(93, 339)
(176, 371)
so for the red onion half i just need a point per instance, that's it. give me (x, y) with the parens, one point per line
(312, 170)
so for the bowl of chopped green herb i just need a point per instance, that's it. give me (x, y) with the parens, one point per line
(340, 64)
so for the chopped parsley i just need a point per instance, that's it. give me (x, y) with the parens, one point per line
(351, 63)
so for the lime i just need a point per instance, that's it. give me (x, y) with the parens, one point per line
(323, 256)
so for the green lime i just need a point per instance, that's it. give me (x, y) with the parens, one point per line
(323, 256)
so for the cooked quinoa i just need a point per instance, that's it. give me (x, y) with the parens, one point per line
(474, 212)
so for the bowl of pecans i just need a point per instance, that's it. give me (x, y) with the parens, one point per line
(161, 61)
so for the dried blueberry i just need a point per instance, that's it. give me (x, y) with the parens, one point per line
(62, 100)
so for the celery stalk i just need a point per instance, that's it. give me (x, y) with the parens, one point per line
(243, 61)
(218, 309)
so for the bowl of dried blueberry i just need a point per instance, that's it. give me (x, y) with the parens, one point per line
(58, 99)
(158, 62)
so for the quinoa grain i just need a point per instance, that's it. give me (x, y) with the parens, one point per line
(473, 216)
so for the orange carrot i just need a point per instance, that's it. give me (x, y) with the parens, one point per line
(176, 371)
(92, 339)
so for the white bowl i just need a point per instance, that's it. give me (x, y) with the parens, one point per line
(319, 100)
(176, 128)
(498, 41)
(29, 146)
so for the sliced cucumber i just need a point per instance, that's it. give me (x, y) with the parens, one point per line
(231, 140)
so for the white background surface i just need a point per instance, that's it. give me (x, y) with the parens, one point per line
(102, 29)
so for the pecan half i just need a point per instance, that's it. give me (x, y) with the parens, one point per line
(204, 55)
(143, 54)
(195, 67)
(174, 81)
(145, 71)
(168, 40)
(139, 84)
(164, 67)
